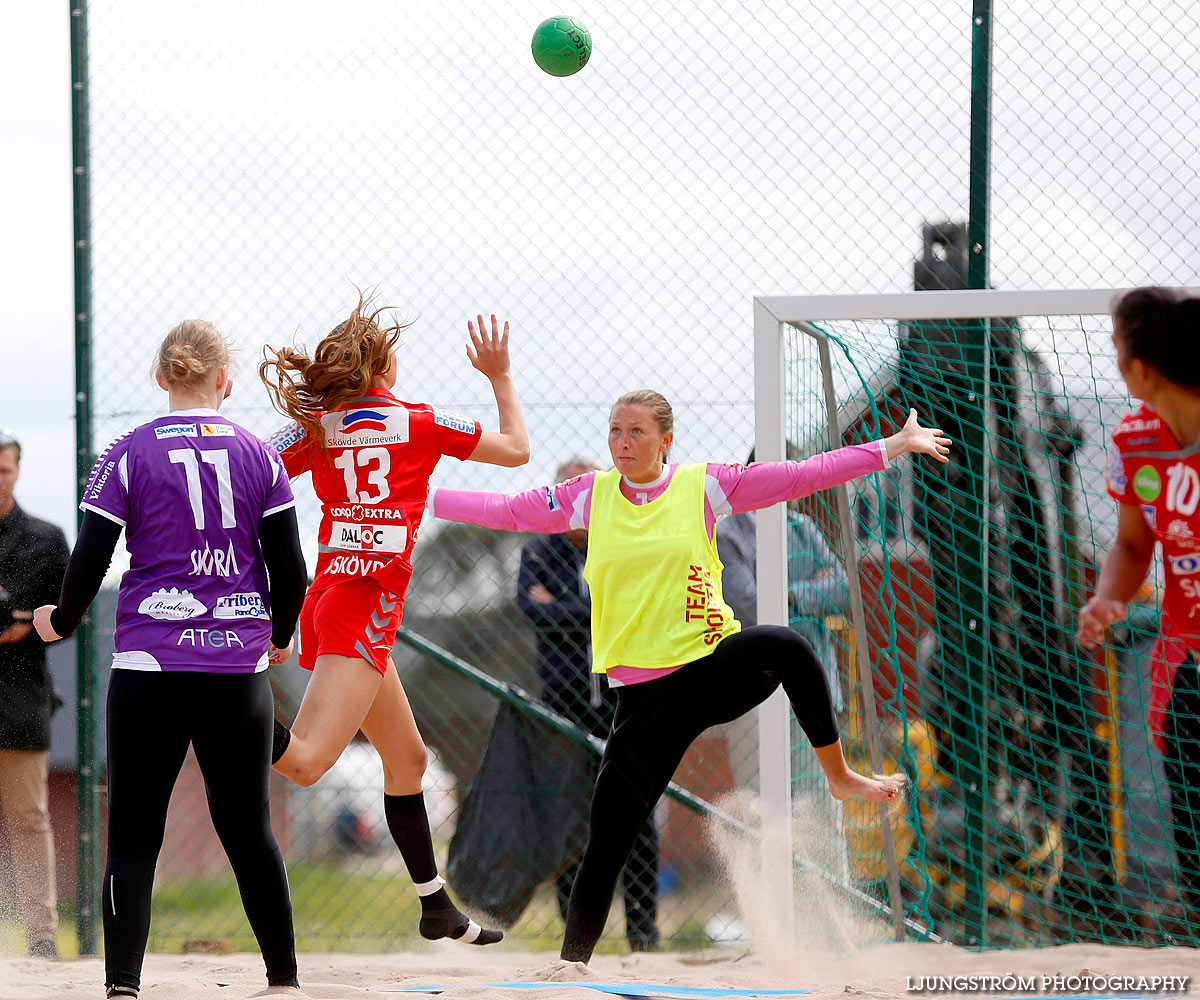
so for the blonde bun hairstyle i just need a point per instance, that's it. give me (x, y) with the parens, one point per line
(191, 352)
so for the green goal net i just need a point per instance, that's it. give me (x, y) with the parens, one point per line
(1040, 811)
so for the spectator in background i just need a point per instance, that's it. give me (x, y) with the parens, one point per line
(817, 583)
(553, 596)
(33, 558)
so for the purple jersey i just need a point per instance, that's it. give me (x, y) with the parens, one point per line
(190, 488)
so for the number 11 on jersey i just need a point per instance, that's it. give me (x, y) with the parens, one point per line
(218, 458)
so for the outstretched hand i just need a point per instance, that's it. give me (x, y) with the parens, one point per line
(915, 438)
(488, 352)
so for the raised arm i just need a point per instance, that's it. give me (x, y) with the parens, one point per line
(509, 446)
(765, 483)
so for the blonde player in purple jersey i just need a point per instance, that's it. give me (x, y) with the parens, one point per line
(661, 630)
(212, 595)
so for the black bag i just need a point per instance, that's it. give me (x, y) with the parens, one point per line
(524, 818)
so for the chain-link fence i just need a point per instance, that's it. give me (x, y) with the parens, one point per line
(251, 163)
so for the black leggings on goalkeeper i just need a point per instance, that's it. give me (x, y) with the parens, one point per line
(656, 722)
(153, 718)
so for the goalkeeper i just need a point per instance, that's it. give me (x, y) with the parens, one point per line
(661, 630)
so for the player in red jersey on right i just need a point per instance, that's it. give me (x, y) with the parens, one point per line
(1154, 474)
(371, 456)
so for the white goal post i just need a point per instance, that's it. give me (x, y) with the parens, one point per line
(775, 319)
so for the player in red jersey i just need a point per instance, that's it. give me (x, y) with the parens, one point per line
(1154, 474)
(371, 456)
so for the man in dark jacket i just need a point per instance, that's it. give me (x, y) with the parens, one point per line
(33, 558)
(553, 596)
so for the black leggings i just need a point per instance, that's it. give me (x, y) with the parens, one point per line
(639, 877)
(656, 723)
(227, 718)
(1182, 766)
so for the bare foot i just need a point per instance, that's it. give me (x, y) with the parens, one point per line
(876, 788)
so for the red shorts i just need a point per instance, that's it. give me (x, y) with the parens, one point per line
(352, 618)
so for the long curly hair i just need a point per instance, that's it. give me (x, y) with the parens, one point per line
(340, 369)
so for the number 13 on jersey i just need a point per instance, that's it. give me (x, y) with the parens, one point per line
(375, 462)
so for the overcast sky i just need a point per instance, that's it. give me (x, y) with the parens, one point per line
(252, 161)
(36, 308)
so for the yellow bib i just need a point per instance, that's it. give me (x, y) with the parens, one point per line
(654, 575)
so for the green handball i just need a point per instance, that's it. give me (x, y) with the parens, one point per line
(561, 46)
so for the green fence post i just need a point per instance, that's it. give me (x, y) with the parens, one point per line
(87, 801)
(973, 769)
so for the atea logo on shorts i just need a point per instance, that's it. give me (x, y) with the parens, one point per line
(365, 426)
(246, 605)
(380, 537)
(209, 638)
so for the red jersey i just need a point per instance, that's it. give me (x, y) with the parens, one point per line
(372, 477)
(1149, 468)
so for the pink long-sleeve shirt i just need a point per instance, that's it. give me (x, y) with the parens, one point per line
(729, 489)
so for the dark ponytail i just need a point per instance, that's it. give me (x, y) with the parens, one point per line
(1161, 328)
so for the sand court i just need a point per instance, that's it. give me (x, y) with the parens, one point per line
(456, 973)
